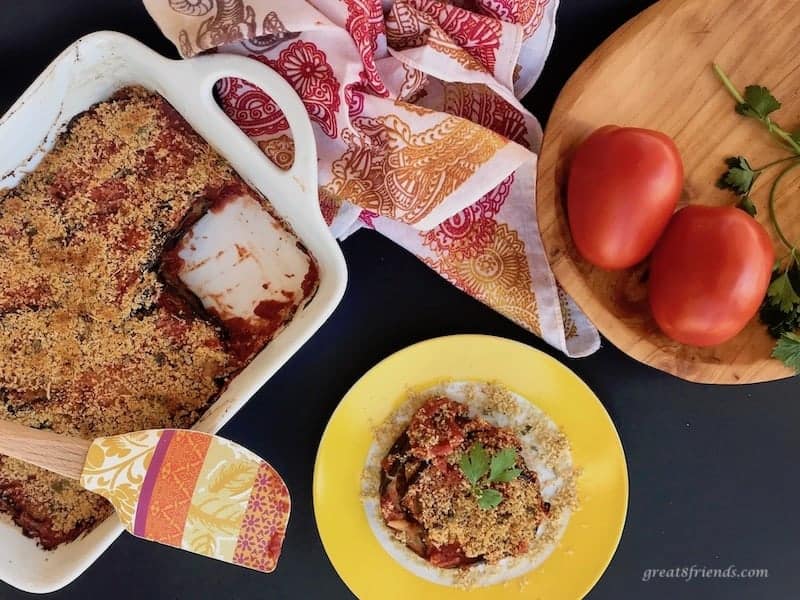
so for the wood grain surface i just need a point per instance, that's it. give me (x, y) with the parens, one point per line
(57, 453)
(655, 72)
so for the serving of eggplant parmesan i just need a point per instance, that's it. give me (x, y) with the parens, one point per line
(456, 491)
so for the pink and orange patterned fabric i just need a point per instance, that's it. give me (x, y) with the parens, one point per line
(194, 491)
(419, 128)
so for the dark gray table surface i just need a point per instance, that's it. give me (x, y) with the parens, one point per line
(712, 469)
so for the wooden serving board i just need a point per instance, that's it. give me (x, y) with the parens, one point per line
(655, 72)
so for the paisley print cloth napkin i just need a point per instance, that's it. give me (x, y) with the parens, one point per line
(419, 130)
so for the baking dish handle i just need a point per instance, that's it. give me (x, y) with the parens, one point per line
(205, 71)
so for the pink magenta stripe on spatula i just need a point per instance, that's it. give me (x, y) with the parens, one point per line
(150, 481)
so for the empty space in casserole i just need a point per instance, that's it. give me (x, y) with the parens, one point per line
(98, 334)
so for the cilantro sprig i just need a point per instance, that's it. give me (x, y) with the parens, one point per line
(788, 350)
(739, 177)
(478, 467)
(758, 103)
(780, 310)
(781, 290)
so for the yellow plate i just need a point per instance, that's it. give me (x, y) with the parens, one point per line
(594, 529)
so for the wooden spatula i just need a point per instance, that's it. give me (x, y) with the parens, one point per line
(186, 489)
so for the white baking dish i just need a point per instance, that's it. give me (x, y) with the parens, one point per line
(88, 72)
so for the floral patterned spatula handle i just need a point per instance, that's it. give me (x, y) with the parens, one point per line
(183, 488)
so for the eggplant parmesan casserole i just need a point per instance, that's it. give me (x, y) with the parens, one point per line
(98, 336)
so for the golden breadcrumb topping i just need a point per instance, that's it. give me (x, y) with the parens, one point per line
(427, 497)
(450, 514)
(92, 343)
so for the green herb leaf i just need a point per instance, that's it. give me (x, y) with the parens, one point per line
(758, 102)
(782, 294)
(502, 467)
(489, 498)
(508, 475)
(739, 177)
(777, 321)
(746, 204)
(788, 350)
(475, 463)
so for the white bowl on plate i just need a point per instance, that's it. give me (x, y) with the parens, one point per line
(89, 71)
